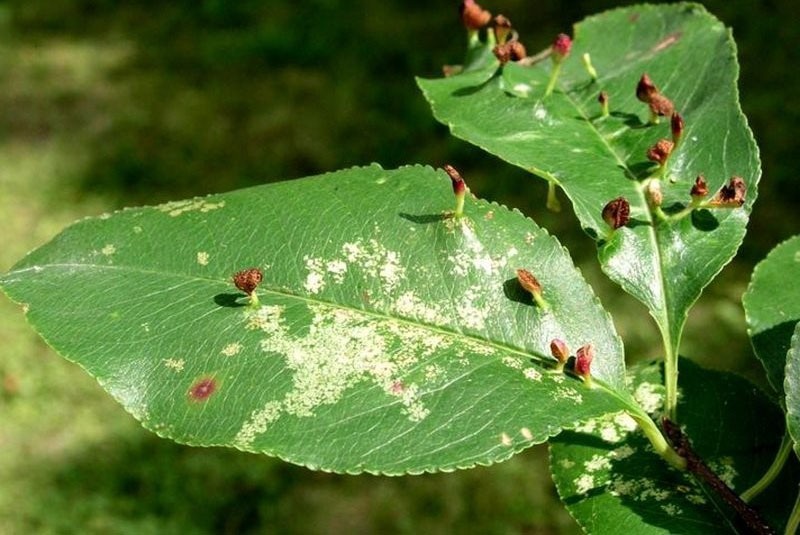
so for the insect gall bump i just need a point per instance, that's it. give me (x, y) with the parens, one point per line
(677, 126)
(660, 152)
(645, 89)
(617, 213)
(247, 281)
(558, 53)
(531, 284)
(560, 351)
(700, 188)
(602, 98)
(731, 195)
(502, 29)
(473, 15)
(583, 362)
(459, 189)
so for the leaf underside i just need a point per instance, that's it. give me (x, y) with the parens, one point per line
(612, 482)
(390, 337)
(563, 138)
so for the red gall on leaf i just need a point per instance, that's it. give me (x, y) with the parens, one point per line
(677, 126)
(732, 195)
(559, 350)
(511, 51)
(583, 361)
(528, 282)
(502, 29)
(700, 188)
(661, 105)
(459, 186)
(660, 152)
(561, 47)
(459, 189)
(617, 213)
(645, 89)
(602, 98)
(473, 15)
(531, 285)
(248, 280)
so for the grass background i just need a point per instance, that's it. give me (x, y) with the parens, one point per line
(109, 103)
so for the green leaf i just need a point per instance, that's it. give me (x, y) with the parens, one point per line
(390, 337)
(792, 386)
(772, 308)
(612, 482)
(563, 138)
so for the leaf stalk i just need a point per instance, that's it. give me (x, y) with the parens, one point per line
(794, 518)
(656, 438)
(772, 472)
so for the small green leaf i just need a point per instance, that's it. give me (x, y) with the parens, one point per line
(390, 337)
(772, 308)
(792, 386)
(563, 138)
(612, 482)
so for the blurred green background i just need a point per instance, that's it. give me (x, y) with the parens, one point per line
(109, 103)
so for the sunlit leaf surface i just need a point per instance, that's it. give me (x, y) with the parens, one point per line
(390, 337)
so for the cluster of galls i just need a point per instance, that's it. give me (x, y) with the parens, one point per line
(558, 348)
(583, 359)
(507, 46)
(617, 212)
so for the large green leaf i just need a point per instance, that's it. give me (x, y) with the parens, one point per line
(390, 337)
(691, 56)
(792, 386)
(772, 307)
(612, 482)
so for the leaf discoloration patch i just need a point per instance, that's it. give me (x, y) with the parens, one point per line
(202, 389)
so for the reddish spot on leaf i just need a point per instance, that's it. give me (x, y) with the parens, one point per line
(202, 389)
(633, 18)
(398, 387)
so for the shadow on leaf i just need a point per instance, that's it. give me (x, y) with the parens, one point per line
(228, 300)
(471, 90)
(423, 219)
(631, 120)
(704, 220)
(515, 292)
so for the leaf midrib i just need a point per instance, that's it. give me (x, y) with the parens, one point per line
(651, 232)
(283, 293)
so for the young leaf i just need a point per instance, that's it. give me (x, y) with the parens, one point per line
(388, 336)
(565, 139)
(772, 308)
(611, 482)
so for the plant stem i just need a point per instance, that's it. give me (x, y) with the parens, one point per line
(656, 438)
(794, 518)
(694, 464)
(670, 374)
(772, 472)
